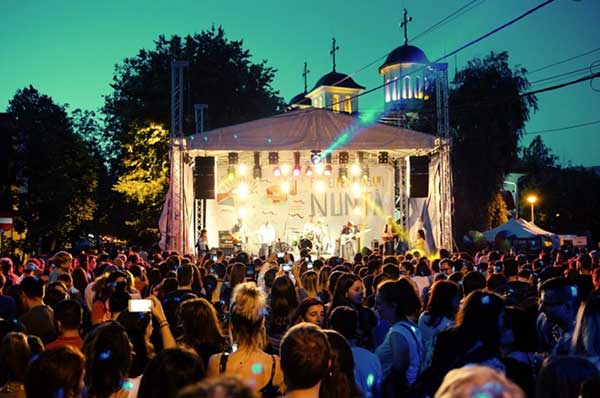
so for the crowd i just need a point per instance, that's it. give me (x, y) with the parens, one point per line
(133, 324)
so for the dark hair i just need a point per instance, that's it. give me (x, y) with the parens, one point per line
(185, 274)
(218, 387)
(473, 280)
(402, 293)
(562, 377)
(511, 267)
(119, 300)
(237, 275)
(53, 371)
(109, 354)
(80, 279)
(169, 371)
(283, 302)
(341, 383)
(344, 282)
(303, 308)
(392, 270)
(496, 283)
(270, 276)
(69, 313)
(136, 324)
(32, 287)
(562, 287)
(200, 324)
(441, 301)
(14, 357)
(478, 318)
(523, 325)
(344, 320)
(305, 354)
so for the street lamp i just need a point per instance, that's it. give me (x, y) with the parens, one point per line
(532, 199)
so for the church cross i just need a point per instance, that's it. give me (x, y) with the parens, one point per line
(305, 75)
(334, 48)
(404, 25)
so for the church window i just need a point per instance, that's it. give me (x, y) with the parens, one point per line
(336, 103)
(418, 88)
(405, 83)
(348, 105)
(387, 90)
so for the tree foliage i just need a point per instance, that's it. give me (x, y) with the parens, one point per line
(220, 74)
(488, 115)
(55, 178)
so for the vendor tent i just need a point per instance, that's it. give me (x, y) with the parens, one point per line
(519, 228)
(303, 132)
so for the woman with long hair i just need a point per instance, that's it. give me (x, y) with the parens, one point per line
(237, 275)
(310, 284)
(349, 291)
(341, 382)
(439, 315)
(247, 313)
(586, 337)
(310, 310)
(283, 303)
(56, 372)
(14, 357)
(323, 284)
(201, 328)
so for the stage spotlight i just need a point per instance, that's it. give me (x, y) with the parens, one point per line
(343, 157)
(243, 213)
(320, 186)
(356, 190)
(383, 157)
(273, 157)
(296, 171)
(243, 190)
(343, 172)
(315, 156)
(285, 169)
(328, 170)
(243, 169)
(276, 171)
(365, 173)
(232, 157)
(355, 169)
(309, 171)
(285, 187)
(230, 172)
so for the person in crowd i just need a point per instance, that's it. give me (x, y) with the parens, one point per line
(236, 276)
(56, 373)
(586, 337)
(564, 377)
(282, 304)
(341, 383)
(68, 315)
(14, 357)
(473, 280)
(310, 285)
(305, 360)
(201, 329)
(7, 269)
(218, 387)
(324, 294)
(310, 310)
(478, 381)
(38, 318)
(170, 371)
(367, 372)
(172, 300)
(8, 306)
(476, 339)
(202, 244)
(118, 302)
(349, 291)
(62, 265)
(439, 315)
(262, 371)
(138, 326)
(400, 352)
(559, 302)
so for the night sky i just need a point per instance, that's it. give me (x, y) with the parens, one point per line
(68, 49)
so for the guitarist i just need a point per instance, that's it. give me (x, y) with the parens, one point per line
(347, 239)
(240, 235)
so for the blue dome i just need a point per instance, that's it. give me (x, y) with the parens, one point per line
(301, 99)
(405, 54)
(336, 79)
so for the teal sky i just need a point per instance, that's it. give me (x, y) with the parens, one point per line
(68, 49)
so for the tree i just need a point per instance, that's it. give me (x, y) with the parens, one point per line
(220, 74)
(487, 114)
(55, 176)
(538, 156)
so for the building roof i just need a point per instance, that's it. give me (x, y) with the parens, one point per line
(405, 54)
(336, 79)
(301, 99)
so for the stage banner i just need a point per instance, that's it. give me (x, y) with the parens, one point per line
(288, 203)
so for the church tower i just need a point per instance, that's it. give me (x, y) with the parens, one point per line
(335, 90)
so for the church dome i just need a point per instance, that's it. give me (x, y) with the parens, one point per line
(301, 99)
(405, 54)
(337, 80)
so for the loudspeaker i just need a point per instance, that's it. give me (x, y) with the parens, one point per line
(419, 176)
(204, 177)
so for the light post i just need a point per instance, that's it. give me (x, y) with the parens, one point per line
(532, 199)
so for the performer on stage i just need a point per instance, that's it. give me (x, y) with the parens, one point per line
(347, 241)
(266, 237)
(202, 244)
(390, 233)
(240, 234)
(309, 228)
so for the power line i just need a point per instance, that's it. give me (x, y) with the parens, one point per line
(464, 46)
(556, 87)
(563, 61)
(561, 75)
(562, 128)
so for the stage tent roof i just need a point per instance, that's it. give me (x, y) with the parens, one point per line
(517, 228)
(312, 129)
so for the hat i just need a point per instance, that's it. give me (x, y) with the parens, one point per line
(33, 264)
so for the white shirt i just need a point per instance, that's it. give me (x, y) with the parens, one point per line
(266, 234)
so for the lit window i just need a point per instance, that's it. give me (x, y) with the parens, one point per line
(387, 90)
(409, 87)
(405, 83)
(336, 103)
(348, 105)
(418, 88)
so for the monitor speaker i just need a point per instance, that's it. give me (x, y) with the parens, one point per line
(419, 176)
(204, 177)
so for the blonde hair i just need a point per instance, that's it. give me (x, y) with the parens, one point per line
(247, 312)
(474, 381)
(310, 283)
